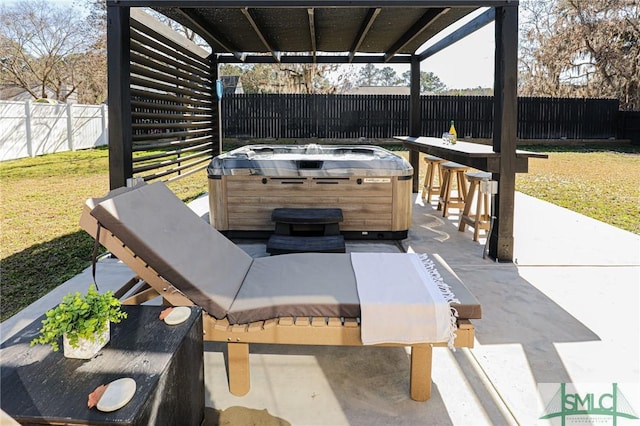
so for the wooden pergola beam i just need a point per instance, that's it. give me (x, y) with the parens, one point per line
(312, 32)
(417, 28)
(372, 14)
(415, 115)
(504, 131)
(471, 27)
(308, 59)
(207, 33)
(247, 13)
(119, 89)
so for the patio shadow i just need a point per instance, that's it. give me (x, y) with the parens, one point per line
(353, 385)
(35, 271)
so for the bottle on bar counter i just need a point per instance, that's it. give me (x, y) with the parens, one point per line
(454, 134)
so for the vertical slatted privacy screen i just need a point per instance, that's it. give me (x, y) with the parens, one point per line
(174, 106)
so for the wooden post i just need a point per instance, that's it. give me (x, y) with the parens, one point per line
(216, 107)
(421, 358)
(104, 125)
(238, 369)
(120, 130)
(415, 118)
(504, 130)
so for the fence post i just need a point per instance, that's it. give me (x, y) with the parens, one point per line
(69, 128)
(103, 116)
(27, 126)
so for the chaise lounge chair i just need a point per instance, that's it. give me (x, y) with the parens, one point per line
(301, 299)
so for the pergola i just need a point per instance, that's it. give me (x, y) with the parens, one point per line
(160, 83)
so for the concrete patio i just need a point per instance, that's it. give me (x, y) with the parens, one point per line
(565, 311)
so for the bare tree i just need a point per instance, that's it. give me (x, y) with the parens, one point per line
(47, 48)
(283, 78)
(97, 14)
(307, 78)
(581, 48)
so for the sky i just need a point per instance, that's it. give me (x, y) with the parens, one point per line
(469, 63)
(465, 64)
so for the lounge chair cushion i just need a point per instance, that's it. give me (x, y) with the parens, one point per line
(183, 249)
(300, 284)
(469, 307)
(222, 278)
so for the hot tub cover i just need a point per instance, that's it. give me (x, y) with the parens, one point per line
(310, 160)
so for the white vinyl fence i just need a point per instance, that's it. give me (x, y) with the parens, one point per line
(28, 129)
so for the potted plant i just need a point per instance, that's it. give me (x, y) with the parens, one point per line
(83, 321)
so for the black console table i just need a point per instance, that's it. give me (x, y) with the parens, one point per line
(40, 386)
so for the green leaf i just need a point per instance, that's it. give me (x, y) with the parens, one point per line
(79, 316)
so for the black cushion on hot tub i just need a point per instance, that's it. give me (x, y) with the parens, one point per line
(306, 216)
(282, 244)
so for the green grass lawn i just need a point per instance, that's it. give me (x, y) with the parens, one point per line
(602, 184)
(42, 244)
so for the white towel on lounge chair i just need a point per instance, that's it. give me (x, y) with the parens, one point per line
(401, 301)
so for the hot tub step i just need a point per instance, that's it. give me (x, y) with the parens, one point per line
(282, 244)
(306, 216)
(309, 221)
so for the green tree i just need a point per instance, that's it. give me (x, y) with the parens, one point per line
(429, 82)
(230, 69)
(388, 77)
(368, 75)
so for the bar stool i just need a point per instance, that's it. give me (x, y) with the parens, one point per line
(480, 219)
(452, 172)
(430, 187)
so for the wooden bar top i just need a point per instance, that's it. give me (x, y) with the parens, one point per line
(478, 156)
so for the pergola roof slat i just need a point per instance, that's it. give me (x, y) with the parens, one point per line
(473, 25)
(364, 30)
(247, 13)
(416, 29)
(205, 30)
(312, 32)
(280, 28)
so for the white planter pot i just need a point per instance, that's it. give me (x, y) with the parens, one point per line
(86, 349)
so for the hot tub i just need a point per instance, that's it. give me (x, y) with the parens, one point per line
(370, 184)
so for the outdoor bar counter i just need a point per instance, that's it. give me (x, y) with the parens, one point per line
(478, 156)
(503, 166)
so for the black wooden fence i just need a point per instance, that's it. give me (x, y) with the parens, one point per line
(291, 116)
(629, 126)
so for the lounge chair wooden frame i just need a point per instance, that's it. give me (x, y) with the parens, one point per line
(284, 330)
